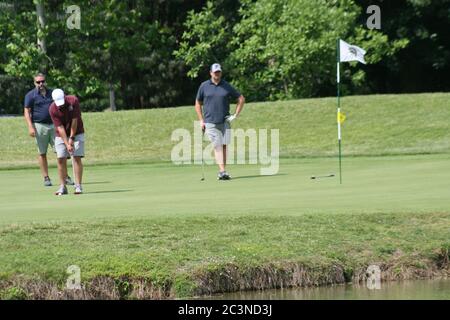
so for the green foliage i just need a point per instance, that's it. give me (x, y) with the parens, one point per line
(154, 53)
(285, 49)
(12, 97)
(378, 47)
(422, 65)
(22, 57)
(13, 293)
(281, 49)
(124, 44)
(204, 41)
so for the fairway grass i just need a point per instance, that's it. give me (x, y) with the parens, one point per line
(376, 125)
(157, 227)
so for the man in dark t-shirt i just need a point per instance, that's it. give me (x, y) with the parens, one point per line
(213, 97)
(69, 142)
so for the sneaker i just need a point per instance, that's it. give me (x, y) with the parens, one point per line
(62, 190)
(78, 189)
(47, 181)
(223, 176)
(69, 181)
(226, 175)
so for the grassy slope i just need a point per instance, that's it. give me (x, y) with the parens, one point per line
(375, 125)
(159, 221)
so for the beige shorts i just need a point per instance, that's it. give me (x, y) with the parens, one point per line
(78, 148)
(45, 136)
(218, 133)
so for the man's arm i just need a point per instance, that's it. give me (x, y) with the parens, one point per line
(27, 115)
(73, 127)
(63, 135)
(240, 105)
(198, 109)
(74, 122)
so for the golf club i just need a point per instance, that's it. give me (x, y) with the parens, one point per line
(203, 162)
(73, 168)
(327, 176)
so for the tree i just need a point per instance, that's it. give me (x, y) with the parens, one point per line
(285, 49)
(205, 40)
(280, 49)
(121, 53)
(424, 64)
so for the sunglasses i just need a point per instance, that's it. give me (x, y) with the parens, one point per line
(39, 82)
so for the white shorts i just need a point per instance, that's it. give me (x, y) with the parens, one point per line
(78, 148)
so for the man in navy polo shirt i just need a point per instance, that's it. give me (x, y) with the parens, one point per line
(212, 105)
(40, 126)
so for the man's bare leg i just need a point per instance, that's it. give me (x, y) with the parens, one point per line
(62, 170)
(218, 152)
(224, 156)
(43, 164)
(78, 169)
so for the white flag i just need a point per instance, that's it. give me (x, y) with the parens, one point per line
(348, 52)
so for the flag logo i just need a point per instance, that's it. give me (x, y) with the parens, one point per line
(348, 52)
(341, 117)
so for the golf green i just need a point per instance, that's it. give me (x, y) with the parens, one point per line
(370, 185)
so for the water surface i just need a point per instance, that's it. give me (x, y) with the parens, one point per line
(396, 290)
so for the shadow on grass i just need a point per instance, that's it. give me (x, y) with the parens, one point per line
(259, 176)
(97, 182)
(107, 191)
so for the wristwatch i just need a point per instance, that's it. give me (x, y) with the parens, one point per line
(72, 138)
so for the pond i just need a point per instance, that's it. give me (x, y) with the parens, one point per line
(438, 289)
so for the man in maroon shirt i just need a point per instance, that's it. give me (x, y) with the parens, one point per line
(69, 141)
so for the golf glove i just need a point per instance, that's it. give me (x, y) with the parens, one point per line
(230, 118)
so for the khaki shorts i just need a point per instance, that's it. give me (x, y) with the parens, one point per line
(78, 148)
(45, 135)
(218, 133)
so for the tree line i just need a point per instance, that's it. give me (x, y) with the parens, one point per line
(132, 54)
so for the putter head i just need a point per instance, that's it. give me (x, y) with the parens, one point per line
(319, 177)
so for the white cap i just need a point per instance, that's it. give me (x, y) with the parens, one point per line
(216, 67)
(58, 97)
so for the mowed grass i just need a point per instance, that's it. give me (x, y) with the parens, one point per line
(159, 221)
(142, 216)
(385, 184)
(375, 125)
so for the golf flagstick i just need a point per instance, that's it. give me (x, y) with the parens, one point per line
(339, 109)
(344, 52)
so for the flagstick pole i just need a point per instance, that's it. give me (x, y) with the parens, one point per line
(339, 109)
